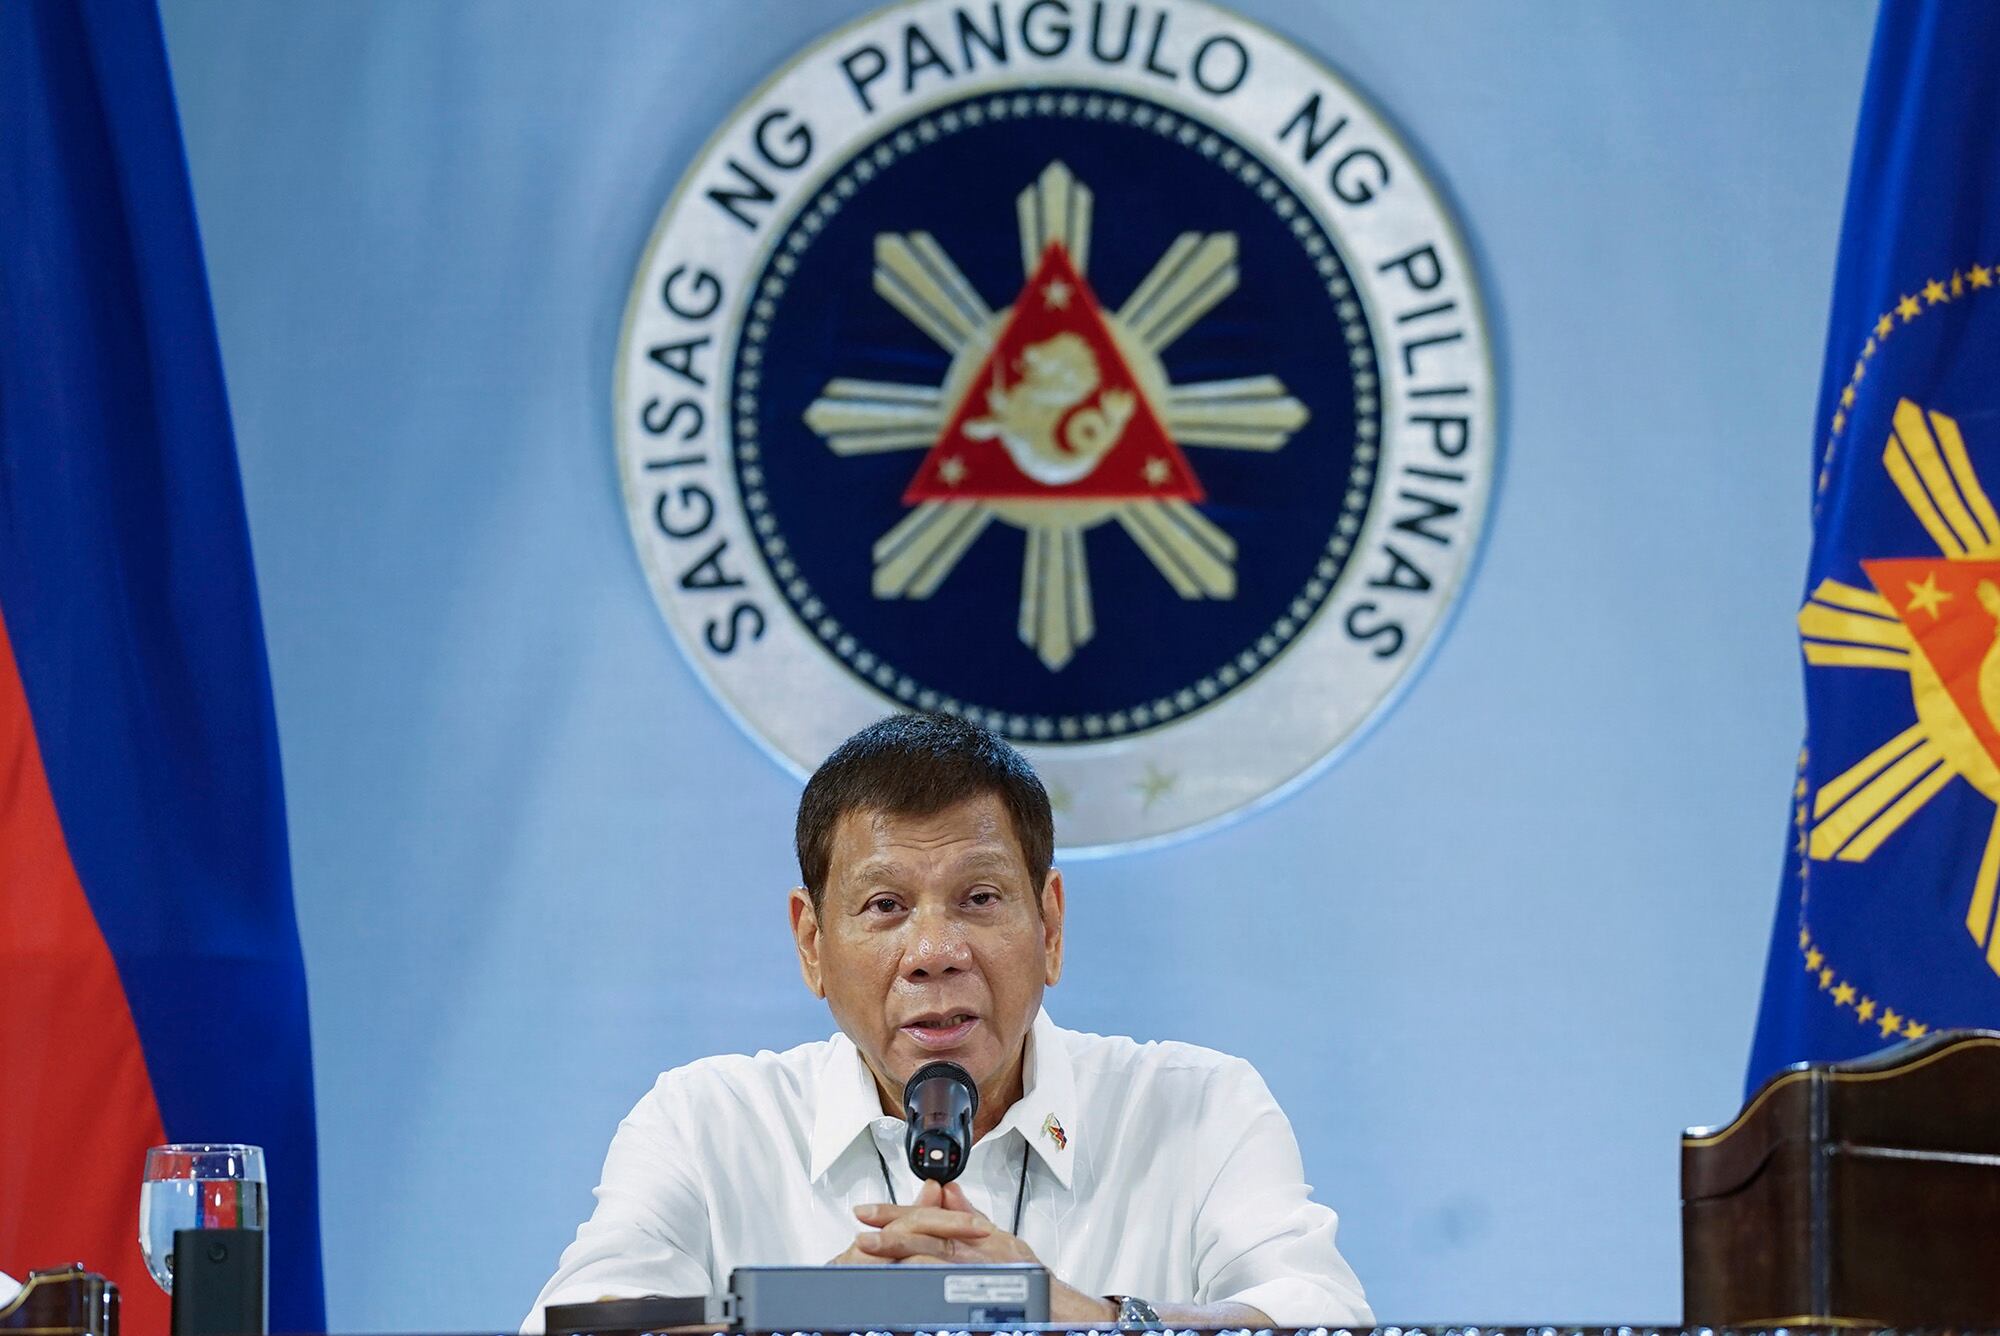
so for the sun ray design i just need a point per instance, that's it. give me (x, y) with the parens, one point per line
(1196, 272)
(1056, 616)
(1055, 208)
(1254, 413)
(1864, 805)
(1198, 559)
(1853, 628)
(1980, 919)
(912, 559)
(914, 275)
(862, 417)
(1926, 457)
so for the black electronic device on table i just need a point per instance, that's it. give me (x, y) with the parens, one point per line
(219, 1282)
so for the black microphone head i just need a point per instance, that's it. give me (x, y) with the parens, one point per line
(939, 1100)
(941, 1069)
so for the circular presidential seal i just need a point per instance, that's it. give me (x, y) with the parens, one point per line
(1109, 374)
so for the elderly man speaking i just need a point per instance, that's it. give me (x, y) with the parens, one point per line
(1157, 1182)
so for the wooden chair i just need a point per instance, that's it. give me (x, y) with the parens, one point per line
(69, 1301)
(1864, 1192)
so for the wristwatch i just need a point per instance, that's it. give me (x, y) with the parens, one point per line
(1134, 1314)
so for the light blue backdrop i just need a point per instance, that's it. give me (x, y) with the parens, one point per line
(1491, 963)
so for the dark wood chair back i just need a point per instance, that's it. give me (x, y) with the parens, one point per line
(1863, 1192)
(69, 1301)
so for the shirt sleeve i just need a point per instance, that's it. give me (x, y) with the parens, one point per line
(1260, 1238)
(649, 1231)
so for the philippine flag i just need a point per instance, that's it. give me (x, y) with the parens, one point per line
(151, 984)
(1888, 920)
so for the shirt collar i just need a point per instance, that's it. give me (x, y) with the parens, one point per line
(1045, 1115)
(848, 1104)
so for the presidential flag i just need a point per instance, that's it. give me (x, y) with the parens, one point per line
(151, 985)
(1886, 925)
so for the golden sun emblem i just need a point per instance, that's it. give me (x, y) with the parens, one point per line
(1056, 416)
(1936, 619)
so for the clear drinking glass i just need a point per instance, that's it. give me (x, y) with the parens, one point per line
(196, 1187)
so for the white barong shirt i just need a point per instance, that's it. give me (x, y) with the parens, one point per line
(1161, 1170)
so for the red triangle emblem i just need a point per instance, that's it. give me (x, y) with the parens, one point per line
(1054, 413)
(1941, 603)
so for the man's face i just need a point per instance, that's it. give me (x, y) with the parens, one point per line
(928, 942)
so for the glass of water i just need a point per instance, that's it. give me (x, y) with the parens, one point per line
(196, 1187)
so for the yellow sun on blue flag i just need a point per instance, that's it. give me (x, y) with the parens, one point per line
(1889, 920)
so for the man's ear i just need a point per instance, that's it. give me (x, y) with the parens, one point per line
(1052, 925)
(805, 935)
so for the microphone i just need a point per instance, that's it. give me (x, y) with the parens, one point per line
(939, 1101)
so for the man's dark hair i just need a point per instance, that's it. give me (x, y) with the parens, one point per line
(918, 765)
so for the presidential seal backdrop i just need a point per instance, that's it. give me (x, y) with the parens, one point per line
(1107, 373)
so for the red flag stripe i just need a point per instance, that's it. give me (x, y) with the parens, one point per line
(77, 1110)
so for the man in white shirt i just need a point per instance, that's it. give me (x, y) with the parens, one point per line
(1148, 1178)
